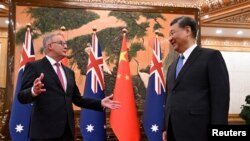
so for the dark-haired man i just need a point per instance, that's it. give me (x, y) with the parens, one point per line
(197, 86)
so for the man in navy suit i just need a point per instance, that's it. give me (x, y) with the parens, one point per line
(52, 89)
(197, 86)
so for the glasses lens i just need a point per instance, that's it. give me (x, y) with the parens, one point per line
(60, 42)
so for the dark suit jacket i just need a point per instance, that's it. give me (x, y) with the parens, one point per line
(52, 110)
(199, 96)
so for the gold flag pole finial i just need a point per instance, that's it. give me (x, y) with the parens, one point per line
(28, 26)
(124, 31)
(94, 28)
(63, 28)
(157, 32)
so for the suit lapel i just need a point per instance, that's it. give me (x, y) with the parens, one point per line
(191, 59)
(173, 71)
(49, 69)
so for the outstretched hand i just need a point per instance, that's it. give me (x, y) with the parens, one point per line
(38, 85)
(164, 136)
(108, 103)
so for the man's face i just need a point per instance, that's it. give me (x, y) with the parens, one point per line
(58, 47)
(178, 37)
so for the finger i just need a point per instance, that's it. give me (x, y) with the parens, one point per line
(43, 90)
(41, 76)
(116, 102)
(36, 80)
(39, 91)
(116, 106)
(38, 84)
(164, 136)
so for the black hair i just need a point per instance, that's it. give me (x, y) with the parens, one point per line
(184, 21)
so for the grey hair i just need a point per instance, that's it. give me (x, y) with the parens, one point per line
(48, 39)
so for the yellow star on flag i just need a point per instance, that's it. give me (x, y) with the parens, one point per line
(127, 77)
(119, 75)
(122, 56)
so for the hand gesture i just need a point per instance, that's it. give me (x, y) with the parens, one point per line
(108, 103)
(164, 136)
(38, 85)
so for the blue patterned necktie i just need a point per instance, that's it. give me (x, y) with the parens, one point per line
(179, 65)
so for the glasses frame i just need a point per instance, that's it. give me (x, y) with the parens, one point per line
(62, 43)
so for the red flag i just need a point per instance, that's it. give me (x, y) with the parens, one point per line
(65, 61)
(124, 121)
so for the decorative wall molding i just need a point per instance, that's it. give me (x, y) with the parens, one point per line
(243, 18)
(234, 16)
(3, 34)
(226, 44)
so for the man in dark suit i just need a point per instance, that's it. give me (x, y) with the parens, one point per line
(52, 89)
(197, 86)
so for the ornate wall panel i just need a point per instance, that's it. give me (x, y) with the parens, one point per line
(226, 44)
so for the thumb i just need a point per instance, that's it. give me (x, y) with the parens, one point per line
(109, 97)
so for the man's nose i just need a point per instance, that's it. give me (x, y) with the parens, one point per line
(170, 39)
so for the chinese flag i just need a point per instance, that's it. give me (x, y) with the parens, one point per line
(124, 121)
(65, 61)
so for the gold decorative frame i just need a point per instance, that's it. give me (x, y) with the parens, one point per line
(130, 6)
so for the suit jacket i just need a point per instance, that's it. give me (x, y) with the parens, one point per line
(52, 110)
(199, 96)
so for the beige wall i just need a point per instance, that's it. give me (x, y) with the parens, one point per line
(236, 53)
(3, 57)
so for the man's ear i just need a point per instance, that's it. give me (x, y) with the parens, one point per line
(188, 30)
(50, 47)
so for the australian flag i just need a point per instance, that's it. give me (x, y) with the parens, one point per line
(93, 123)
(155, 98)
(20, 114)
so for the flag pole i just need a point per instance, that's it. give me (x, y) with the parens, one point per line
(157, 32)
(93, 123)
(124, 121)
(19, 122)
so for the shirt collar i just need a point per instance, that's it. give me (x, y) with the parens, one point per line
(51, 60)
(187, 53)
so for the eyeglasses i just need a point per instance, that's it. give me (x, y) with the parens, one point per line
(173, 32)
(62, 43)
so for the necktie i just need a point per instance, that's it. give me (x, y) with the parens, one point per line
(59, 74)
(179, 65)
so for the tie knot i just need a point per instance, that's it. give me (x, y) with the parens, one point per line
(182, 57)
(57, 64)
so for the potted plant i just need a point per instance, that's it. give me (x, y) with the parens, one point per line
(245, 110)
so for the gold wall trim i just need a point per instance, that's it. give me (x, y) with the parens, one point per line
(171, 3)
(226, 44)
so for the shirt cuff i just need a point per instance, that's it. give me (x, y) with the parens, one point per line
(33, 93)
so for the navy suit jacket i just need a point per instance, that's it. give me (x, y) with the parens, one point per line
(199, 96)
(52, 110)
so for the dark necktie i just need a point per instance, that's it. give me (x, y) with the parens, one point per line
(179, 65)
(59, 74)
